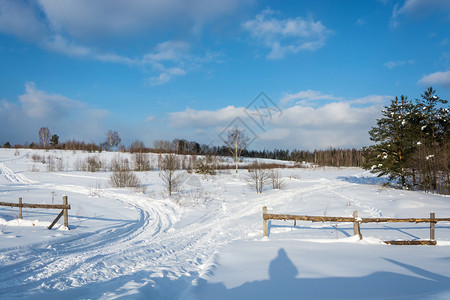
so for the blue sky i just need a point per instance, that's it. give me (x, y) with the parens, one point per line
(165, 69)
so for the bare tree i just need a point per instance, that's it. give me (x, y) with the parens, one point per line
(169, 165)
(258, 176)
(237, 141)
(140, 158)
(141, 162)
(277, 181)
(44, 136)
(112, 139)
(137, 146)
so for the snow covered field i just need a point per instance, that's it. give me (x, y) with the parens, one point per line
(206, 242)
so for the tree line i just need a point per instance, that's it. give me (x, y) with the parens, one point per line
(336, 157)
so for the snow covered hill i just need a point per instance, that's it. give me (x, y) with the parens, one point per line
(206, 241)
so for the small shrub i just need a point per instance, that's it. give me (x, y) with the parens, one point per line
(96, 190)
(36, 157)
(258, 177)
(60, 164)
(93, 164)
(199, 195)
(124, 178)
(277, 182)
(78, 165)
(122, 175)
(51, 166)
(118, 163)
(205, 166)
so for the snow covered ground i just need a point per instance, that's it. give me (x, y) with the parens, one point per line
(206, 242)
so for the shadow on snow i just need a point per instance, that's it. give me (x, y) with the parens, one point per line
(283, 284)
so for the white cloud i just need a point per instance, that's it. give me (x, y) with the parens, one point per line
(371, 99)
(168, 51)
(418, 9)
(166, 59)
(341, 123)
(20, 18)
(275, 135)
(304, 97)
(329, 114)
(205, 118)
(149, 118)
(73, 28)
(86, 19)
(38, 104)
(64, 116)
(421, 7)
(285, 36)
(439, 78)
(392, 64)
(166, 76)
(169, 58)
(336, 124)
(59, 44)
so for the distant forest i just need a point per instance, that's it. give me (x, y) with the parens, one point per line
(335, 157)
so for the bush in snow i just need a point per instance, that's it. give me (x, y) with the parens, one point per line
(122, 176)
(258, 176)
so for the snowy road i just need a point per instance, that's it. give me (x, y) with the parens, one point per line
(148, 250)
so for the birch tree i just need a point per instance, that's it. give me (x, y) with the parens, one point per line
(112, 139)
(44, 136)
(236, 143)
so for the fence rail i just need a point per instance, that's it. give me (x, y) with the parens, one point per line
(64, 209)
(29, 205)
(357, 224)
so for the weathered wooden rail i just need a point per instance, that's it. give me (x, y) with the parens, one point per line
(357, 224)
(64, 209)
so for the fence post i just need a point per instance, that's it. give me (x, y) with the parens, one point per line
(432, 227)
(356, 226)
(66, 215)
(265, 225)
(20, 208)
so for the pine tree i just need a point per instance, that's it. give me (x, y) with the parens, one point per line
(395, 141)
(435, 125)
(54, 141)
(431, 155)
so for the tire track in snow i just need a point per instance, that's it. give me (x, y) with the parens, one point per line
(150, 246)
(70, 255)
(13, 177)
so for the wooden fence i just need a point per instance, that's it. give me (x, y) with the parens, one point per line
(64, 209)
(357, 224)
